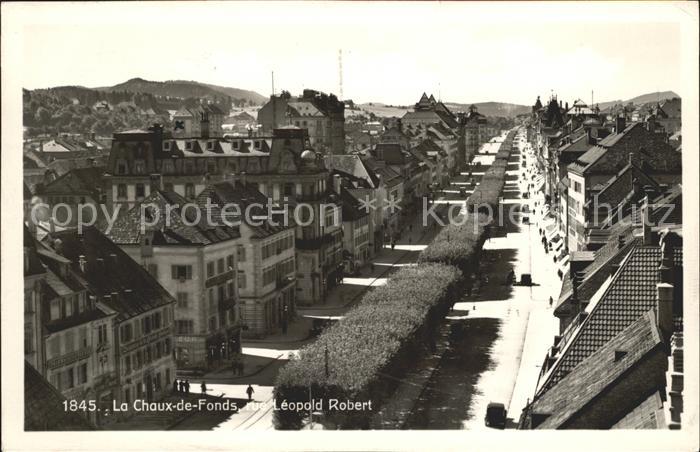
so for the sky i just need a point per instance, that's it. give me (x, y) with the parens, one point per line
(391, 53)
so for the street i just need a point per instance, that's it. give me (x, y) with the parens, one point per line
(497, 359)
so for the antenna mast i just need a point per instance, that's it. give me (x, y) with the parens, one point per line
(273, 83)
(340, 73)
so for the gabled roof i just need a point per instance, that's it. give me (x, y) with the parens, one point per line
(116, 273)
(602, 370)
(303, 108)
(631, 292)
(78, 181)
(43, 406)
(391, 153)
(620, 185)
(351, 164)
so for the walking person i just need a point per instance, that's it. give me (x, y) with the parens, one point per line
(187, 386)
(181, 384)
(204, 387)
(250, 392)
(551, 300)
(175, 386)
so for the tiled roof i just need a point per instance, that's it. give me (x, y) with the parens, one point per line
(577, 146)
(649, 414)
(127, 229)
(78, 181)
(592, 277)
(248, 199)
(303, 108)
(137, 291)
(587, 159)
(43, 406)
(600, 371)
(620, 185)
(631, 292)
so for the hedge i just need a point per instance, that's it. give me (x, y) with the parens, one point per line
(459, 243)
(489, 189)
(370, 348)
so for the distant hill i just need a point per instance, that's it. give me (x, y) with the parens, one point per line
(184, 89)
(642, 99)
(485, 108)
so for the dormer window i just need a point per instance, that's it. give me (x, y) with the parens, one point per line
(188, 145)
(166, 145)
(236, 145)
(257, 145)
(210, 146)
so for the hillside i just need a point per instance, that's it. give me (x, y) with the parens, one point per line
(183, 89)
(642, 99)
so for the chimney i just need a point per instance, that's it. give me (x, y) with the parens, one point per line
(619, 124)
(620, 242)
(646, 227)
(591, 139)
(560, 104)
(82, 262)
(337, 183)
(664, 309)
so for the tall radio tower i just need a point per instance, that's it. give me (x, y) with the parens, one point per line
(340, 74)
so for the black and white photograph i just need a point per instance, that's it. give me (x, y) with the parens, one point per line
(443, 225)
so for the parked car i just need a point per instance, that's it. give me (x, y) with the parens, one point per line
(496, 415)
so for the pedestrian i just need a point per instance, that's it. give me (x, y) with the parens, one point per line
(187, 386)
(204, 387)
(175, 385)
(551, 300)
(249, 390)
(393, 244)
(371, 266)
(410, 240)
(182, 385)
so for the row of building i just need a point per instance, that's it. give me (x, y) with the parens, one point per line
(614, 199)
(114, 309)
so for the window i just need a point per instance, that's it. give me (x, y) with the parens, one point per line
(68, 305)
(127, 364)
(83, 337)
(55, 309)
(140, 191)
(121, 167)
(222, 292)
(127, 333)
(147, 324)
(181, 271)
(166, 145)
(240, 251)
(268, 275)
(82, 373)
(211, 298)
(157, 320)
(121, 191)
(188, 145)
(210, 145)
(257, 145)
(69, 378)
(288, 189)
(210, 269)
(212, 323)
(220, 266)
(189, 191)
(241, 280)
(139, 166)
(69, 341)
(54, 346)
(229, 263)
(184, 326)
(182, 299)
(231, 289)
(102, 334)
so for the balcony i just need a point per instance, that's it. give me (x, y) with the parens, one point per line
(60, 361)
(281, 283)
